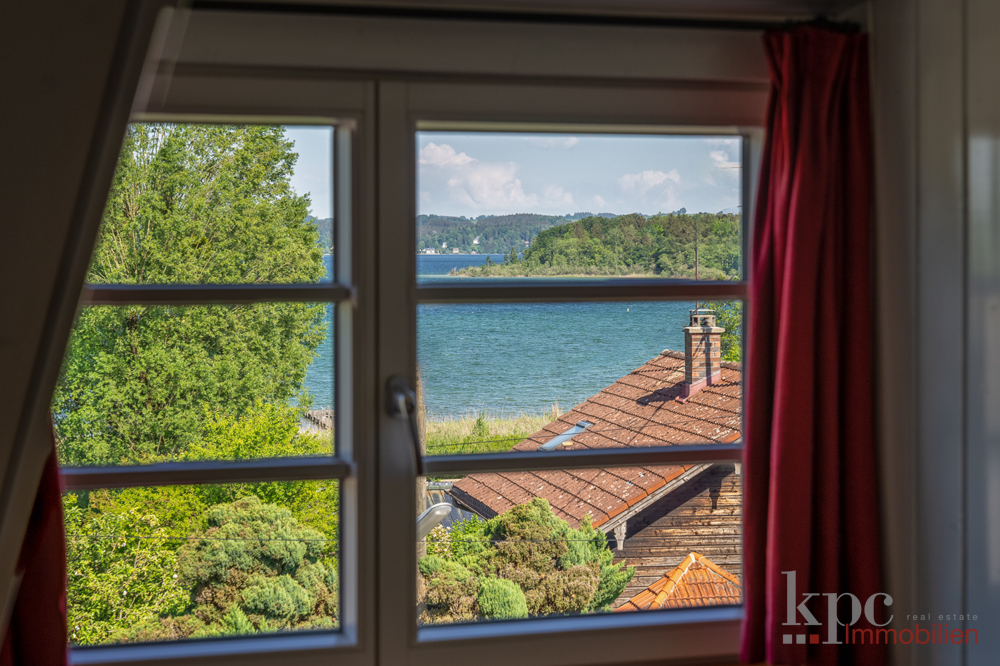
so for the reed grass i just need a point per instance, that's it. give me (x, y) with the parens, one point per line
(485, 431)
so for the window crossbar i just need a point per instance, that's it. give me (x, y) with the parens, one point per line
(556, 291)
(207, 471)
(529, 461)
(197, 294)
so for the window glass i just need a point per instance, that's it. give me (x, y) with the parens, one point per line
(218, 204)
(564, 376)
(179, 562)
(534, 544)
(505, 205)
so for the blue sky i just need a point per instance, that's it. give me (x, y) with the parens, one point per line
(486, 173)
(313, 173)
(474, 174)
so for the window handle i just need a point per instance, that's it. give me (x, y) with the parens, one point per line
(403, 405)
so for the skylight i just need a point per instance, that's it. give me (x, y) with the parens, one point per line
(566, 436)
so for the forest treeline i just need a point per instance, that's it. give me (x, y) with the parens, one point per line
(662, 245)
(487, 234)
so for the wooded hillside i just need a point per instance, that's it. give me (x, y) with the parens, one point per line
(661, 245)
(496, 234)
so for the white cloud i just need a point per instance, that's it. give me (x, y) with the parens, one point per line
(425, 197)
(478, 184)
(672, 201)
(443, 155)
(720, 159)
(560, 142)
(646, 180)
(553, 194)
(598, 202)
(722, 142)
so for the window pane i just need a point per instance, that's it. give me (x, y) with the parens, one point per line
(219, 204)
(178, 562)
(563, 376)
(504, 205)
(535, 544)
(146, 384)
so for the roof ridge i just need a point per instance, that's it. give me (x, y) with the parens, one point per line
(719, 570)
(672, 579)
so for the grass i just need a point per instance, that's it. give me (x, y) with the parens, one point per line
(485, 432)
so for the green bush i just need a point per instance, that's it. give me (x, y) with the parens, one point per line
(121, 571)
(556, 568)
(255, 568)
(500, 599)
(112, 530)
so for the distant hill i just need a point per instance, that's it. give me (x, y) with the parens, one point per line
(662, 245)
(325, 227)
(488, 234)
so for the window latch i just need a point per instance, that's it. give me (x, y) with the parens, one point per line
(403, 405)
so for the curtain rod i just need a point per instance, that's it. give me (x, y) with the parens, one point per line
(521, 17)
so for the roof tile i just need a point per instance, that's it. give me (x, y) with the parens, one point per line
(696, 581)
(637, 410)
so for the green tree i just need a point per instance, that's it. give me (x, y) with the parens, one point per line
(729, 315)
(190, 204)
(118, 571)
(270, 431)
(631, 244)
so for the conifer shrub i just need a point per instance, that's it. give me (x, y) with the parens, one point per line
(556, 568)
(500, 599)
(254, 569)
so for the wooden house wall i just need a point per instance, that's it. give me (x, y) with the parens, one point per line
(704, 516)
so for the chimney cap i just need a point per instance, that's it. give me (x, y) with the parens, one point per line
(703, 317)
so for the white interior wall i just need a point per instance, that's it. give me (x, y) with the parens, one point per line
(937, 125)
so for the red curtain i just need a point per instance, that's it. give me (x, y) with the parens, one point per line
(811, 500)
(36, 635)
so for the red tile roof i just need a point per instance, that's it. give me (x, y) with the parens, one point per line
(637, 410)
(697, 581)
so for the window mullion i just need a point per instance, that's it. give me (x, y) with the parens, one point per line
(554, 290)
(524, 461)
(196, 294)
(208, 471)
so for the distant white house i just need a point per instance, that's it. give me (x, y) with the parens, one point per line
(475, 241)
(454, 250)
(444, 246)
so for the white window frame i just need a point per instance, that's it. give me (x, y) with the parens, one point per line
(246, 67)
(404, 109)
(344, 106)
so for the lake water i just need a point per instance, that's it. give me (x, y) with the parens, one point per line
(521, 357)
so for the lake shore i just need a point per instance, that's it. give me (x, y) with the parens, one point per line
(485, 432)
(509, 271)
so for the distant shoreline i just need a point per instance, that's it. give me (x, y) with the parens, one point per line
(561, 275)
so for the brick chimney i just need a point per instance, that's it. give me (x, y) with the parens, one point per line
(702, 353)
